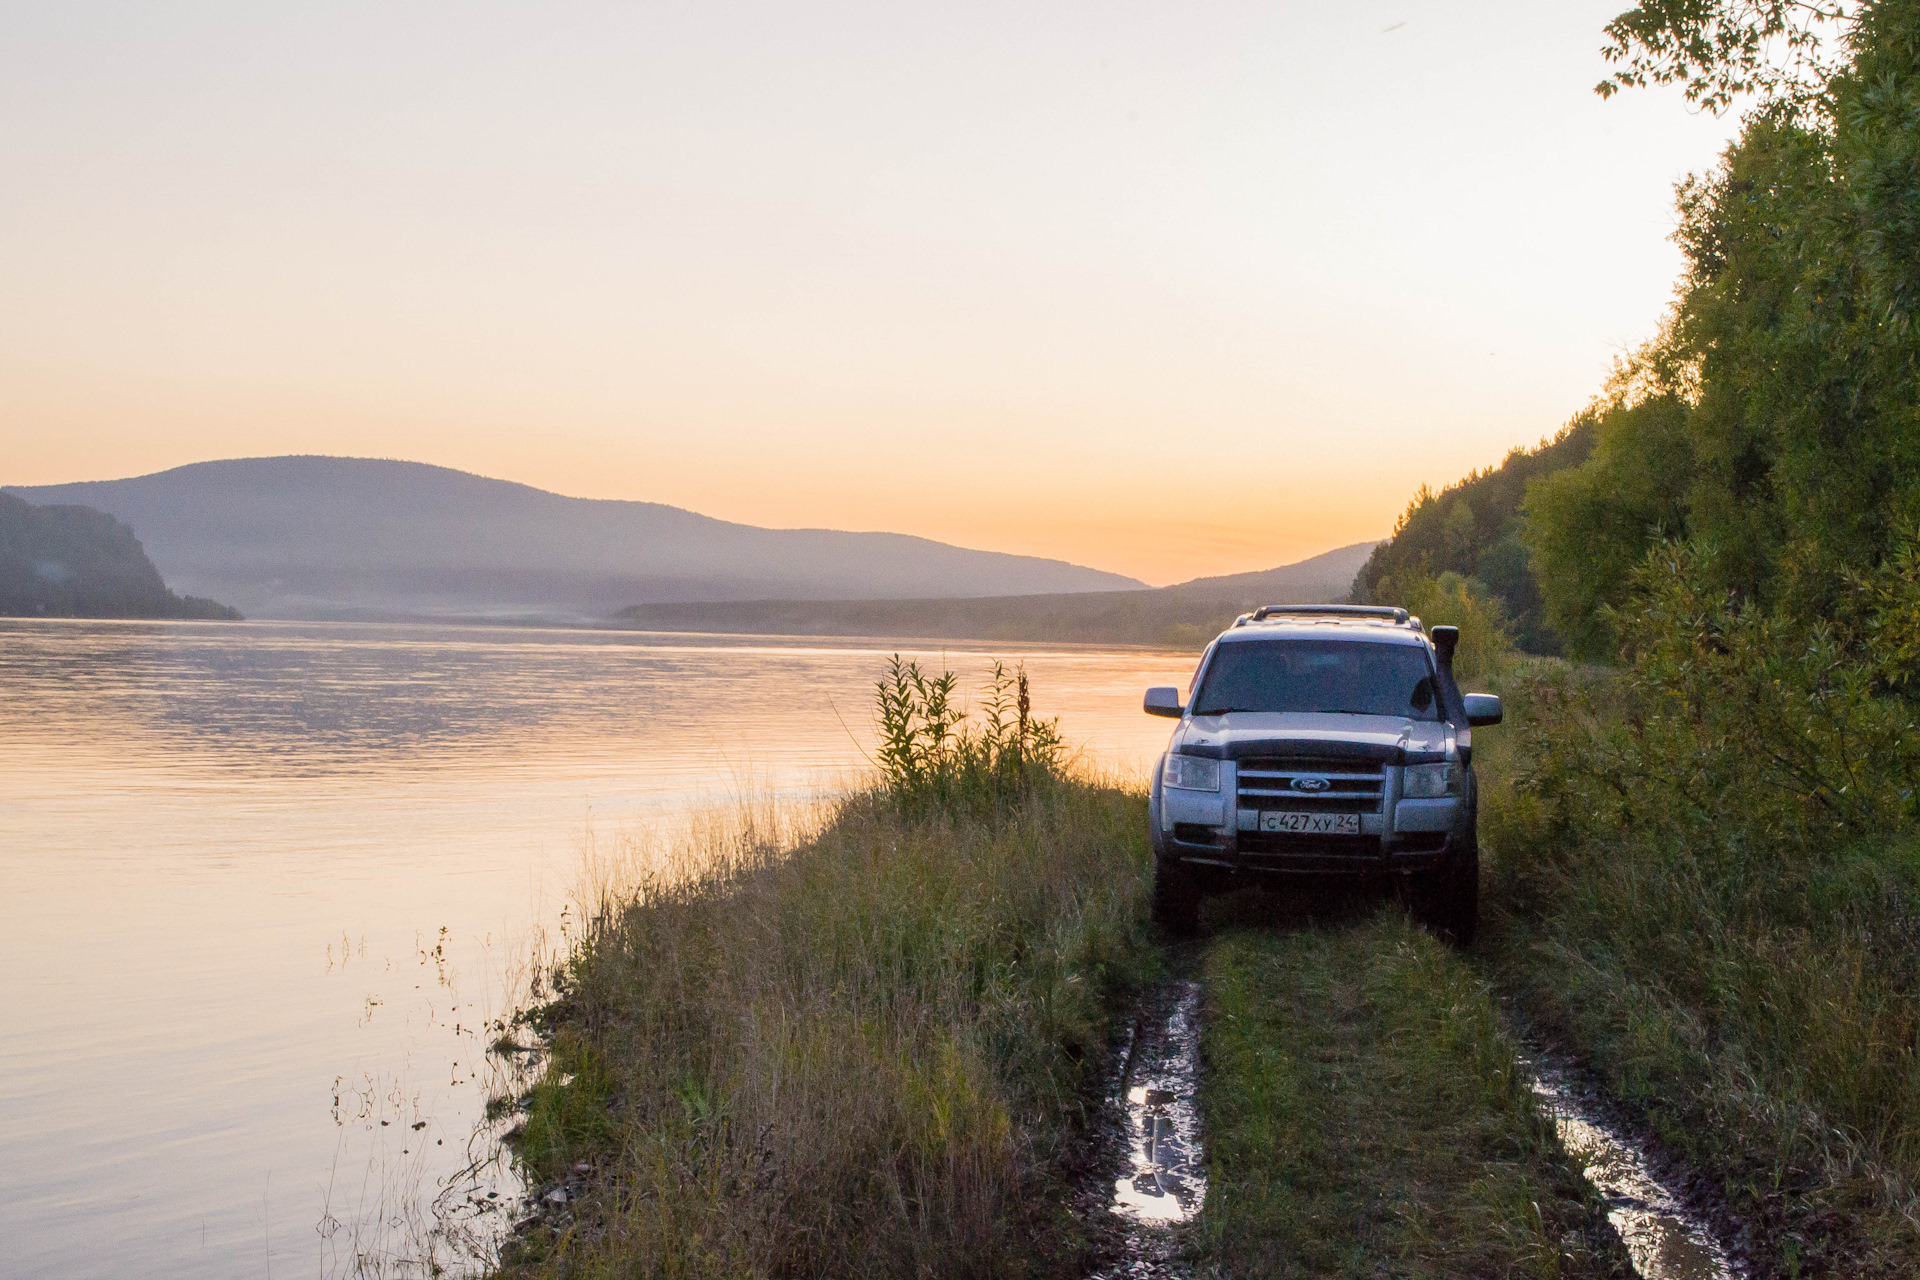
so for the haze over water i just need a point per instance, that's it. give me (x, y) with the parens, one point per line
(231, 851)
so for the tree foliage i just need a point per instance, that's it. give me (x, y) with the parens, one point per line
(1585, 526)
(1776, 421)
(1472, 530)
(1722, 50)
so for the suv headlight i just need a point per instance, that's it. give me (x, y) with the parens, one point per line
(1426, 781)
(1191, 773)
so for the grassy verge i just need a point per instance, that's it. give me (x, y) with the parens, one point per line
(868, 1055)
(1365, 1117)
(1674, 900)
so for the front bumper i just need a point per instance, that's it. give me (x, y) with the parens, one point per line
(1194, 828)
(1220, 829)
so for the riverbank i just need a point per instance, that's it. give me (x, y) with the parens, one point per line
(872, 1051)
(883, 1049)
(888, 1046)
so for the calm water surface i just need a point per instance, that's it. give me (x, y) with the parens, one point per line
(266, 883)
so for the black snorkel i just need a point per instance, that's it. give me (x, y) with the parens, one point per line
(1452, 705)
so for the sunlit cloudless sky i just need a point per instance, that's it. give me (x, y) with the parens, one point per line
(1168, 289)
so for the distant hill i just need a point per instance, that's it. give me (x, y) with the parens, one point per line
(312, 537)
(75, 562)
(1189, 614)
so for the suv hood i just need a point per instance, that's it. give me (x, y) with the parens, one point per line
(1389, 739)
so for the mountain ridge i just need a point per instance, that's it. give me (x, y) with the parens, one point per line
(324, 537)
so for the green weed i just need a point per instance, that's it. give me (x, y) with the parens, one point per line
(934, 755)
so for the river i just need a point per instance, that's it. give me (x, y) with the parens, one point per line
(266, 884)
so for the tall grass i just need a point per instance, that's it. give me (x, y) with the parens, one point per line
(1707, 876)
(860, 1050)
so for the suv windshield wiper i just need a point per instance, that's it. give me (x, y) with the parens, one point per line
(1225, 711)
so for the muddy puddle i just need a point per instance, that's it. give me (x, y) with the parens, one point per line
(1163, 1179)
(1664, 1238)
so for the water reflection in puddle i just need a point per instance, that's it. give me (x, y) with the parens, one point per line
(1665, 1241)
(1166, 1179)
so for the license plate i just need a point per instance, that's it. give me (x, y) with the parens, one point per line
(1317, 824)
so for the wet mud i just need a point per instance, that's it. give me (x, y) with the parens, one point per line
(1666, 1238)
(1161, 1181)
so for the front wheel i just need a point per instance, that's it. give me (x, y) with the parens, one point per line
(1176, 898)
(1448, 901)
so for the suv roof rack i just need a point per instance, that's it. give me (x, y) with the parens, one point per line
(1386, 613)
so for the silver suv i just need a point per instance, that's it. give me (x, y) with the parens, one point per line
(1323, 740)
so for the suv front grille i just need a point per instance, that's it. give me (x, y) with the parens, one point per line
(1353, 786)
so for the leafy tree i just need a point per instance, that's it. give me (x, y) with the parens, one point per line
(1799, 311)
(1588, 527)
(1720, 50)
(1777, 424)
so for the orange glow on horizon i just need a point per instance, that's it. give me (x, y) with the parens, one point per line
(1149, 290)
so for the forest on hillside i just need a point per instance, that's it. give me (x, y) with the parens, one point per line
(75, 562)
(1471, 533)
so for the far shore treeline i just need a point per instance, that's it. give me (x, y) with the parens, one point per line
(1186, 615)
(75, 562)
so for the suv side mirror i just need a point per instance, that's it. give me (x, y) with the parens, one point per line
(1483, 708)
(1164, 700)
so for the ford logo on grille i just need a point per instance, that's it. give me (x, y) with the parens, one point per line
(1310, 783)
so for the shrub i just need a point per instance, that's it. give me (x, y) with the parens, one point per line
(934, 756)
(1707, 875)
(1486, 647)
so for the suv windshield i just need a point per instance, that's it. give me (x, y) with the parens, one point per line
(1349, 676)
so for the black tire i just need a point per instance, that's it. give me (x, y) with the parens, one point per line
(1176, 899)
(1447, 901)
(1465, 899)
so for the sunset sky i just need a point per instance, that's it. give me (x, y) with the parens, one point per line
(1167, 289)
